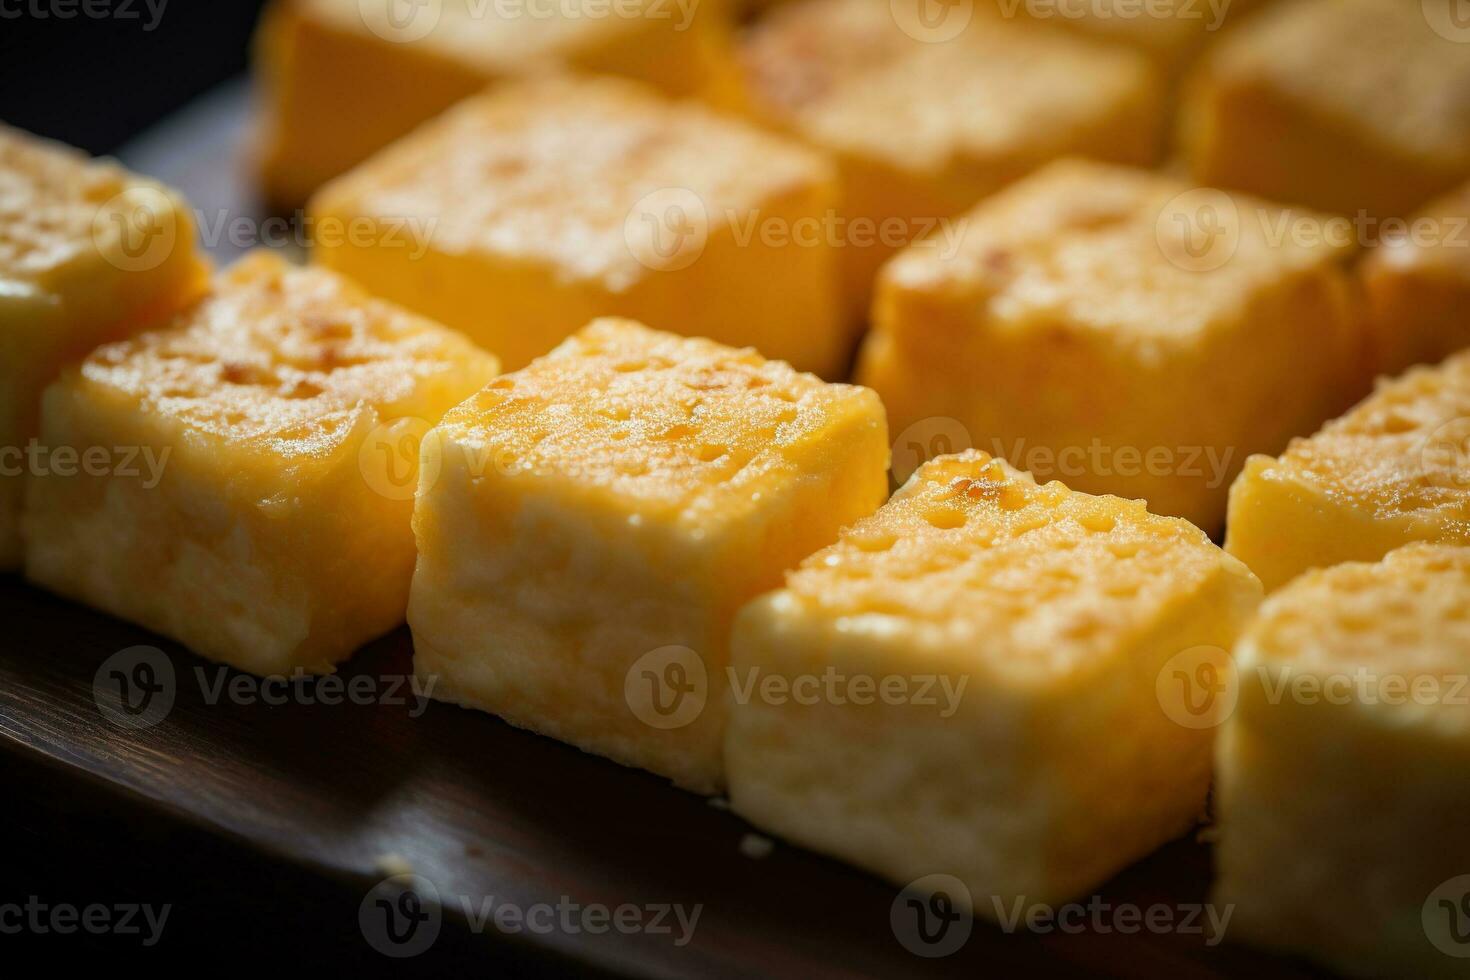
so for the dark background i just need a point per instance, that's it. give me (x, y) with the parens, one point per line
(96, 82)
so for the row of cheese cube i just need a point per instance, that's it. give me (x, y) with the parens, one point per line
(1343, 105)
(967, 680)
(1155, 332)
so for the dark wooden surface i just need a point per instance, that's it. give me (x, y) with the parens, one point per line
(277, 816)
(265, 825)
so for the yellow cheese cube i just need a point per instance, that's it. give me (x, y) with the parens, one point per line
(1345, 105)
(967, 684)
(1169, 32)
(344, 78)
(88, 252)
(258, 507)
(547, 204)
(1418, 285)
(1344, 769)
(1113, 329)
(597, 519)
(925, 116)
(1395, 469)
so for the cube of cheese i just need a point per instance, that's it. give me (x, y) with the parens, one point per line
(598, 518)
(925, 117)
(1170, 32)
(1395, 469)
(344, 78)
(547, 204)
(1353, 106)
(1418, 286)
(966, 684)
(257, 507)
(1113, 329)
(1344, 770)
(88, 253)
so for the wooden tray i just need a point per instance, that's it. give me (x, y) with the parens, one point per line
(272, 823)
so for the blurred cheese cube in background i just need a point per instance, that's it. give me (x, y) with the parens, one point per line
(1120, 331)
(596, 519)
(1418, 283)
(343, 78)
(926, 115)
(1342, 105)
(1010, 638)
(88, 253)
(1344, 769)
(1395, 469)
(1169, 32)
(551, 202)
(265, 519)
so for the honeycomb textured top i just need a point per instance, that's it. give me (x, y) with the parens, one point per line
(1376, 62)
(1104, 248)
(678, 430)
(285, 360)
(847, 76)
(1408, 615)
(973, 554)
(54, 201)
(1403, 451)
(495, 37)
(554, 169)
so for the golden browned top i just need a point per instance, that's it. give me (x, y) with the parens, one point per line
(1436, 241)
(1407, 616)
(975, 554)
(661, 427)
(847, 76)
(52, 200)
(1374, 65)
(1095, 247)
(289, 361)
(1403, 451)
(495, 36)
(557, 169)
